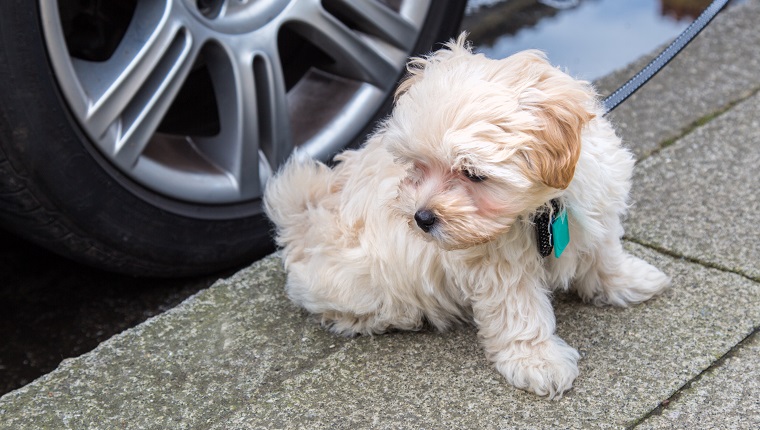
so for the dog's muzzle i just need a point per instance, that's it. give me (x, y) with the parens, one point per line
(425, 219)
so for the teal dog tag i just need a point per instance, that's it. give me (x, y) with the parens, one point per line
(560, 233)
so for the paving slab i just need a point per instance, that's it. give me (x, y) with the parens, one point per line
(718, 68)
(727, 397)
(699, 197)
(239, 355)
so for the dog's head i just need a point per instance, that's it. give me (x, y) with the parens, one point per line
(485, 141)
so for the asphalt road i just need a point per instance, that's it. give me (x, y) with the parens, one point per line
(52, 308)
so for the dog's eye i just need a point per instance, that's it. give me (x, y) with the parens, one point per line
(472, 176)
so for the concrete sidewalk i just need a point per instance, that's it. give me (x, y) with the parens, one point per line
(240, 355)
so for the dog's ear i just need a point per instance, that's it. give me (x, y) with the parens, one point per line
(556, 151)
(563, 107)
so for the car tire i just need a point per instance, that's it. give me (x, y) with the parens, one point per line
(59, 189)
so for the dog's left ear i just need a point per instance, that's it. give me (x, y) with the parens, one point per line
(563, 107)
(559, 146)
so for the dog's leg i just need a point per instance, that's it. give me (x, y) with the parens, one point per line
(349, 325)
(614, 277)
(516, 327)
(361, 309)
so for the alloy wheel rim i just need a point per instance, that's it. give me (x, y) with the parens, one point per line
(248, 55)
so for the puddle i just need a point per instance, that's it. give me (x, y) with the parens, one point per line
(588, 38)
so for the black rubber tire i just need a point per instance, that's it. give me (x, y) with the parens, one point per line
(56, 189)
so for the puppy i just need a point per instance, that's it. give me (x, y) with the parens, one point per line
(435, 218)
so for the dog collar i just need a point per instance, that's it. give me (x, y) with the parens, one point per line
(552, 231)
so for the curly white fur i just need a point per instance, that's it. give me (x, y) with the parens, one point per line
(481, 145)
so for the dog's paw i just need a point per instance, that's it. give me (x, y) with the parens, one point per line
(547, 368)
(350, 325)
(343, 324)
(637, 282)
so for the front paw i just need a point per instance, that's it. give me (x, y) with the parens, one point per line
(547, 368)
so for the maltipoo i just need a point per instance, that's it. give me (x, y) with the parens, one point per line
(452, 208)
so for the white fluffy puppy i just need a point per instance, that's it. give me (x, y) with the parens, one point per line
(434, 218)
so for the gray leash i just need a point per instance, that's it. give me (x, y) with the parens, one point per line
(621, 94)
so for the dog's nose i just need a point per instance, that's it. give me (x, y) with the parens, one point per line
(425, 219)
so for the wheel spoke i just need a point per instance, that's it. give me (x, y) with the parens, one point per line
(140, 118)
(373, 18)
(254, 127)
(355, 57)
(274, 125)
(151, 61)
